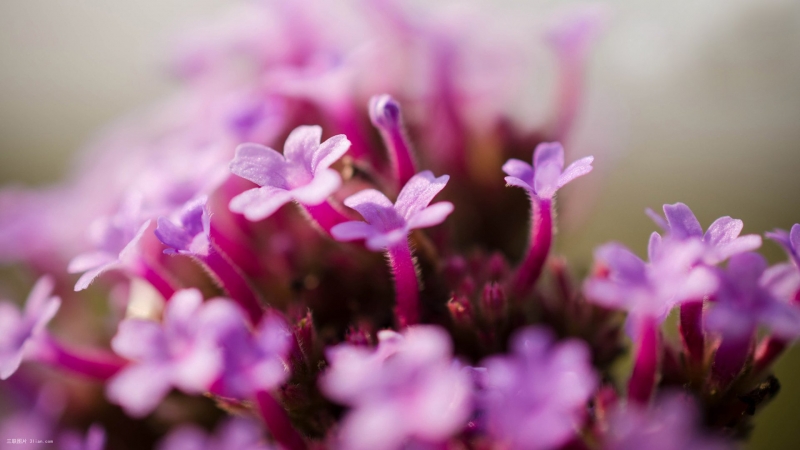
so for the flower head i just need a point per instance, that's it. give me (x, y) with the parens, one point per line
(386, 223)
(20, 330)
(670, 424)
(547, 175)
(721, 239)
(408, 388)
(302, 173)
(536, 397)
(190, 235)
(751, 294)
(181, 352)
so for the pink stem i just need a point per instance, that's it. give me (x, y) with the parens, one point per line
(278, 423)
(730, 358)
(325, 215)
(541, 239)
(691, 327)
(386, 115)
(96, 364)
(233, 282)
(645, 369)
(401, 263)
(156, 278)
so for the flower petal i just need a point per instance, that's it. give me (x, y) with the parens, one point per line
(419, 192)
(261, 165)
(351, 231)
(430, 216)
(519, 169)
(376, 209)
(682, 222)
(576, 169)
(259, 203)
(302, 144)
(324, 184)
(329, 152)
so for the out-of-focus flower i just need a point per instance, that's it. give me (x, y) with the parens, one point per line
(749, 296)
(789, 241)
(670, 424)
(181, 352)
(191, 235)
(407, 389)
(722, 238)
(302, 173)
(95, 439)
(649, 289)
(238, 433)
(536, 398)
(388, 224)
(547, 175)
(19, 330)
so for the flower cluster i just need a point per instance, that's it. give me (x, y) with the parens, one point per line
(238, 280)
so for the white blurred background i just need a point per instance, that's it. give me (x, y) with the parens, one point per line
(704, 95)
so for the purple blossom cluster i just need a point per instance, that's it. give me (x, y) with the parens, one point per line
(375, 284)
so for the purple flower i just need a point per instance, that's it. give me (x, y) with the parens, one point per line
(751, 294)
(95, 439)
(536, 398)
(190, 236)
(547, 175)
(302, 173)
(650, 289)
(388, 224)
(181, 352)
(238, 433)
(116, 239)
(254, 362)
(789, 241)
(670, 424)
(19, 331)
(721, 239)
(408, 389)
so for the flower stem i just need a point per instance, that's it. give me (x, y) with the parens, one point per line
(730, 358)
(325, 215)
(231, 279)
(387, 118)
(691, 327)
(96, 364)
(278, 423)
(643, 378)
(541, 240)
(401, 263)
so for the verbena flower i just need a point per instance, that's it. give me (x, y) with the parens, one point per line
(547, 175)
(389, 223)
(407, 389)
(181, 352)
(21, 330)
(722, 238)
(302, 173)
(670, 424)
(238, 433)
(536, 397)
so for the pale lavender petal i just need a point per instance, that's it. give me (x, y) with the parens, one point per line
(545, 180)
(625, 264)
(9, 363)
(45, 314)
(329, 152)
(548, 154)
(519, 169)
(741, 244)
(655, 217)
(387, 239)
(419, 192)
(39, 295)
(88, 277)
(302, 144)
(261, 165)
(430, 216)
(682, 222)
(131, 248)
(351, 231)
(187, 437)
(376, 209)
(373, 427)
(723, 230)
(514, 181)
(653, 246)
(322, 186)
(197, 368)
(182, 307)
(139, 339)
(91, 260)
(139, 388)
(577, 169)
(172, 235)
(260, 203)
(700, 283)
(794, 237)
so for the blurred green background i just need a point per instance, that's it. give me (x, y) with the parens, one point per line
(694, 101)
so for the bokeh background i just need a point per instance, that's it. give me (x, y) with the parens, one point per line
(699, 101)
